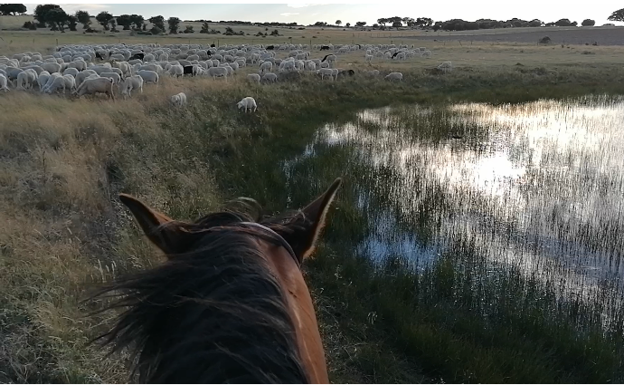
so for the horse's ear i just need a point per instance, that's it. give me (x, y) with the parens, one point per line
(159, 228)
(306, 227)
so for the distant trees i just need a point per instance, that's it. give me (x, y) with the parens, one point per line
(360, 24)
(104, 19)
(563, 23)
(348, 25)
(41, 12)
(174, 24)
(189, 29)
(12, 9)
(83, 18)
(617, 15)
(338, 22)
(72, 22)
(205, 27)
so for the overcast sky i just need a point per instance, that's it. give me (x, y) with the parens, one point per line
(545, 10)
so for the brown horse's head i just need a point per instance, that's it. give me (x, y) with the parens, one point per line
(230, 303)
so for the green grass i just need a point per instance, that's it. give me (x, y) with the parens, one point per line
(64, 162)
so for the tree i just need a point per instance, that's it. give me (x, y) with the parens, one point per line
(174, 24)
(12, 9)
(424, 22)
(104, 18)
(158, 21)
(189, 29)
(138, 21)
(113, 25)
(535, 23)
(83, 18)
(348, 25)
(382, 21)
(360, 24)
(56, 19)
(205, 27)
(588, 23)
(617, 15)
(338, 22)
(563, 23)
(397, 25)
(41, 12)
(125, 21)
(72, 22)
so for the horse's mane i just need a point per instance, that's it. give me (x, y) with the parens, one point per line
(213, 315)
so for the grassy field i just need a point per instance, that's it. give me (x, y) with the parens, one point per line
(63, 162)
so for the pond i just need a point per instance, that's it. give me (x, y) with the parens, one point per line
(535, 186)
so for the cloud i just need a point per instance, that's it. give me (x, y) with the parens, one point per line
(71, 8)
(289, 14)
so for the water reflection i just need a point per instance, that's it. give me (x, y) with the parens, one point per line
(537, 185)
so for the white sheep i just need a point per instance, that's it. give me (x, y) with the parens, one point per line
(266, 66)
(394, 76)
(176, 70)
(247, 103)
(113, 75)
(3, 83)
(255, 78)
(70, 82)
(178, 99)
(270, 77)
(58, 83)
(149, 76)
(217, 72)
(446, 66)
(326, 72)
(134, 82)
(97, 85)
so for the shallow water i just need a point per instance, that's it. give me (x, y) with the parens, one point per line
(538, 186)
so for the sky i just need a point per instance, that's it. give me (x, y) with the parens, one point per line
(369, 11)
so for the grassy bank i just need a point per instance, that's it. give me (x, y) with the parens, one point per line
(64, 162)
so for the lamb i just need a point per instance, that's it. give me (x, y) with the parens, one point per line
(247, 103)
(394, 76)
(149, 76)
(134, 82)
(253, 78)
(178, 99)
(98, 85)
(3, 83)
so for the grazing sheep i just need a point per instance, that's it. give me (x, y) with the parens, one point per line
(247, 103)
(70, 82)
(3, 83)
(266, 66)
(83, 75)
(43, 79)
(113, 75)
(178, 99)
(176, 70)
(330, 59)
(373, 73)
(447, 66)
(134, 82)
(58, 83)
(394, 76)
(326, 72)
(270, 77)
(217, 72)
(71, 71)
(98, 85)
(254, 78)
(149, 76)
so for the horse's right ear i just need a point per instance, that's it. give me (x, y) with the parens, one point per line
(159, 228)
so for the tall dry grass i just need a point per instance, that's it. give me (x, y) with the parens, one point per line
(63, 162)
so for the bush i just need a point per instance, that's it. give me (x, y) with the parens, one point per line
(189, 29)
(155, 31)
(588, 23)
(29, 25)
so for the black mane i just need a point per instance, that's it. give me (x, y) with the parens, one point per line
(213, 315)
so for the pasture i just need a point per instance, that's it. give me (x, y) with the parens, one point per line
(65, 160)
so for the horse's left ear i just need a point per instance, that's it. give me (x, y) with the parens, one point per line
(308, 224)
(163, 231)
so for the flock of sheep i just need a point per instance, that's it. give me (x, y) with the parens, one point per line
(92, 69)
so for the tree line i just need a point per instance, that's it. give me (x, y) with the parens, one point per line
(55, 18)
